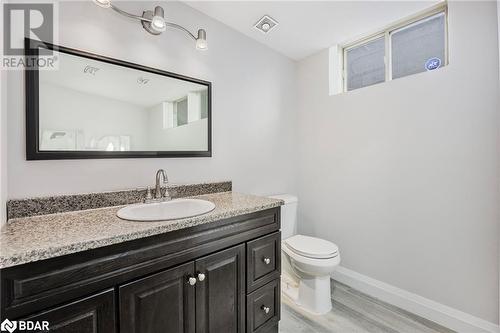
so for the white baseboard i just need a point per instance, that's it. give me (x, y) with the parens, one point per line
(421, 306)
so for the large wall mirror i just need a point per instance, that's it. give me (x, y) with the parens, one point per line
(91, 106)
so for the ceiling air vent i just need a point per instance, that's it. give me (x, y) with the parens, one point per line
(265, 24)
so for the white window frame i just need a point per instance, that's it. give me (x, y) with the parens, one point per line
(386, 34)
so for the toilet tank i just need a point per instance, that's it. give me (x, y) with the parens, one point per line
(288, 214)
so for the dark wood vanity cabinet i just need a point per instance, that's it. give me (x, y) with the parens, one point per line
(212, 278)
(92, 314)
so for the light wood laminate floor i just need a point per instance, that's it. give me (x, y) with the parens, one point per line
(354, 311)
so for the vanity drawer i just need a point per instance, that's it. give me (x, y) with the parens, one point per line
(263, 308)
(263, 260)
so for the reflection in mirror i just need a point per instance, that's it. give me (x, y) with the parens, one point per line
(90, 105)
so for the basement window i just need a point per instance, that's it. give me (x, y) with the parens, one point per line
(365, 64)
(413, 46)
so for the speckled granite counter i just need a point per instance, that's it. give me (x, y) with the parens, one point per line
(41, 237)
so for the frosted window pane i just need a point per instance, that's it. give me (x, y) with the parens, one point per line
(182, 112)
(365, 64)
(417, 44)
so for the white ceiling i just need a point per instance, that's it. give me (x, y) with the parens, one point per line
(306, 27)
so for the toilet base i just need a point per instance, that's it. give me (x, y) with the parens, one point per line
(312, 295)
(290, 287)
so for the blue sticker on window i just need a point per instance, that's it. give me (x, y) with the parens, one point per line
(432, 64)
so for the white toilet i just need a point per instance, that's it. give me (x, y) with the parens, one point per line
(307, 262)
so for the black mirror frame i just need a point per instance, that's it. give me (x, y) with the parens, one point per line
(31, 48)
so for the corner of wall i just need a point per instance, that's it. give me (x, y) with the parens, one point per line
(335, 69)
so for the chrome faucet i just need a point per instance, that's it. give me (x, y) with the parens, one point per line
(158, 193)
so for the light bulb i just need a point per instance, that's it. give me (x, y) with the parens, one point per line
(266, 26)
(201, 44)
(103, 3)
(158, 22)
(201, 41)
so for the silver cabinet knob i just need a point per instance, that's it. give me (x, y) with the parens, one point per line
(201, 277)
(266, 261)
(192, 281)
(266, 309)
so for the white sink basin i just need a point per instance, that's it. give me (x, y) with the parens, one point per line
(167, 210)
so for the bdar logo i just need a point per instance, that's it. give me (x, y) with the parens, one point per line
(8, 326)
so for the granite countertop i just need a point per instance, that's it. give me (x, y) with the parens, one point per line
(35, 238)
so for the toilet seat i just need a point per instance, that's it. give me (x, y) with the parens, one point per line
(307, 267)
(311, 247)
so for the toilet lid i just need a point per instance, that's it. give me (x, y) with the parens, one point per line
(312, 247)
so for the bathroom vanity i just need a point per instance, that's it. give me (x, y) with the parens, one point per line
(89, 271)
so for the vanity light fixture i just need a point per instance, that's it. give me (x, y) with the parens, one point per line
(153, 21)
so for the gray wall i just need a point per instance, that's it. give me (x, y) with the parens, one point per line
(253, 106)
(498, 27)
(3, 143)
(3, 146)
(404, 175)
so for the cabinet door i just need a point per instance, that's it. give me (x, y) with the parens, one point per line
(163, 302)
(94, 314)
(220, 296)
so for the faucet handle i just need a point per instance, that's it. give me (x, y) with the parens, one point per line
(149, 196)
(166, 193)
